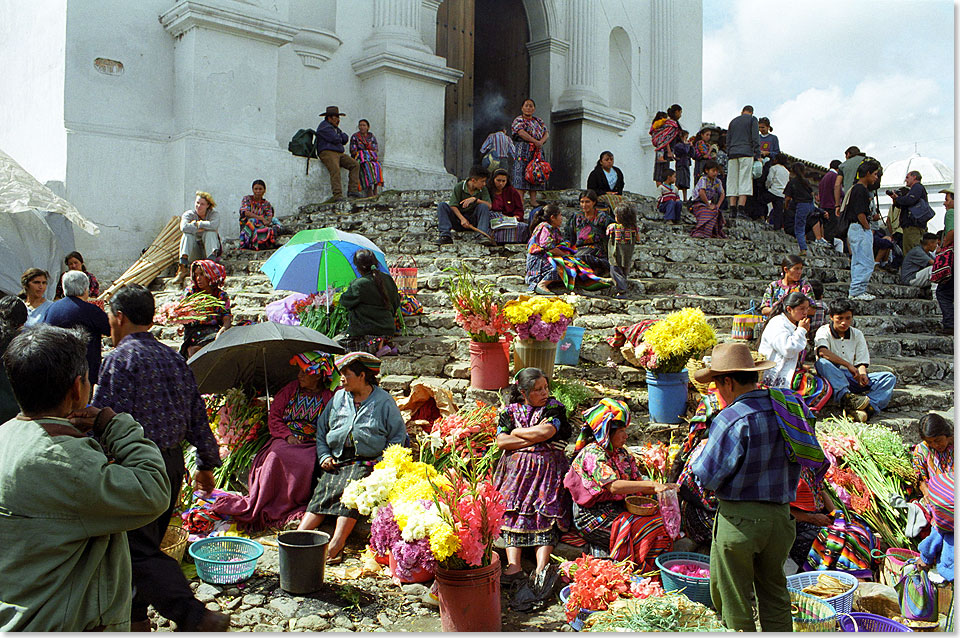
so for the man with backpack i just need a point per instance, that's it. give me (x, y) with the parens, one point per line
(330, 141)
(915, 211)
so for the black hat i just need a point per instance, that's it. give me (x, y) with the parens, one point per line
(332, 111)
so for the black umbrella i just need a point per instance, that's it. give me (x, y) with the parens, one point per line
(256, 356)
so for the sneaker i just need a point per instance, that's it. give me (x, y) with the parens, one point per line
(855, 402)
(443, 240)
(864, 297)
(489, 243)
(822, 242)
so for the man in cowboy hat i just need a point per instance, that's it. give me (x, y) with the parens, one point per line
(330, 141)
(746, 463)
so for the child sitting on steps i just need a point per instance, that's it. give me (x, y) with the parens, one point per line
(669, 203)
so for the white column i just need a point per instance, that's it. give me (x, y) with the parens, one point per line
(397, 21)
(581, 67)
(428, 23)
(663, 37)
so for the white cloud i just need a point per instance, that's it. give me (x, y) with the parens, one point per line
(875, 73)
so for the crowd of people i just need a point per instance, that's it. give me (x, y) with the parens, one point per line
(749, 486)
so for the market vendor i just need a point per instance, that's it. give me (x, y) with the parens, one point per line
(602, 474)
(532, 432)
(281, 475)
(372, 301)
(206, 276)
(934, 454)
(936, 550)
(358, 423)
(812, 510)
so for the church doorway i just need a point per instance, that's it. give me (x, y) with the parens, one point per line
(487, 40)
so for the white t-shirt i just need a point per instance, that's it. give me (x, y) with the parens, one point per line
(777, 179)
(852, 347)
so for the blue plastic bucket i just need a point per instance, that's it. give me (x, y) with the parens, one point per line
(667, 396)
(568, 349)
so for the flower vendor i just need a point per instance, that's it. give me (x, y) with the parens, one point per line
(936, 550)
(811, 510)
(752, 461)
(372, 301)
(279, 483)
(358, 423)
(206, 276)
(533, 431)
(934, 454)
(603, 472)
(258, 226)
(784, 342)
(698, 506)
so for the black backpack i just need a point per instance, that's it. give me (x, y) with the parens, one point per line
(302, 143)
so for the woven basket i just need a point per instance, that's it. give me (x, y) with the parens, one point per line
(810, 613)
(640, 505)
(174, 542)
(842, 603)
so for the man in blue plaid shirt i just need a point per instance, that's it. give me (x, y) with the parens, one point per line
(745, 463)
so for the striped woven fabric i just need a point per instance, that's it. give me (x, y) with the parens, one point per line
(640, 539)
(814, 391)
(573, 271)
(941, 497)
(796, 426)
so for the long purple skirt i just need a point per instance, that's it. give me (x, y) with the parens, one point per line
(279, 487)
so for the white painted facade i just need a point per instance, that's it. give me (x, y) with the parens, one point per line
(210, 92)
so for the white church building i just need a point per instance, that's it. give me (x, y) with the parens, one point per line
(127, 107)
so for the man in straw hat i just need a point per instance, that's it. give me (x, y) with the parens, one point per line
(752, 461)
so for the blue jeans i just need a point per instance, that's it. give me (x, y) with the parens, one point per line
(841, 380)
(861, 258)
(447, 220)
(671, 210)
(800, 223)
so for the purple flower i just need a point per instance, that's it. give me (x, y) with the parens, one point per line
(384, 531)
(413, 556)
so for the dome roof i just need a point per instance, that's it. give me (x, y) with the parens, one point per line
(934, 171)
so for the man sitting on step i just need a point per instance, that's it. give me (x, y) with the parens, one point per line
(842, 359)
(468, 209)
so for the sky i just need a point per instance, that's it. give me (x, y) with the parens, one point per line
(878, 74)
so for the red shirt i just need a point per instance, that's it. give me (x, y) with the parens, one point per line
(508, 202)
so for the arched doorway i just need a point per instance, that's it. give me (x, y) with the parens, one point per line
(487, 40)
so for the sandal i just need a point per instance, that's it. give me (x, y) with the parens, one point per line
(335, 560)
(506, 579)
(542, 290)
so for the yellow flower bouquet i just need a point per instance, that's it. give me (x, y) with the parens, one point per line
(668, 344)
(539, 318)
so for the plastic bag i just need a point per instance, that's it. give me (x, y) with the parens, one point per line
(670, 511)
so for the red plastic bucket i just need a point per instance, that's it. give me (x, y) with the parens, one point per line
(418, 575)
(470, 598)
(489, 365)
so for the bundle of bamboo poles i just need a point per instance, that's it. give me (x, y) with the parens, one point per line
(161, 254)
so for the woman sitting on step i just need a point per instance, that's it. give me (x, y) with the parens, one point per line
(705, 203)
(602, 474)
(258, 228)
(506, 210)
(784, 341)
(550, 259)
(356, 426)
(587, 232)
(372, 301)
(200, 239)
(791, 280)
(206, 276)
(280, 477)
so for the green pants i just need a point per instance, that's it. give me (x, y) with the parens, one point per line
(911, 238)
(751, 541)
